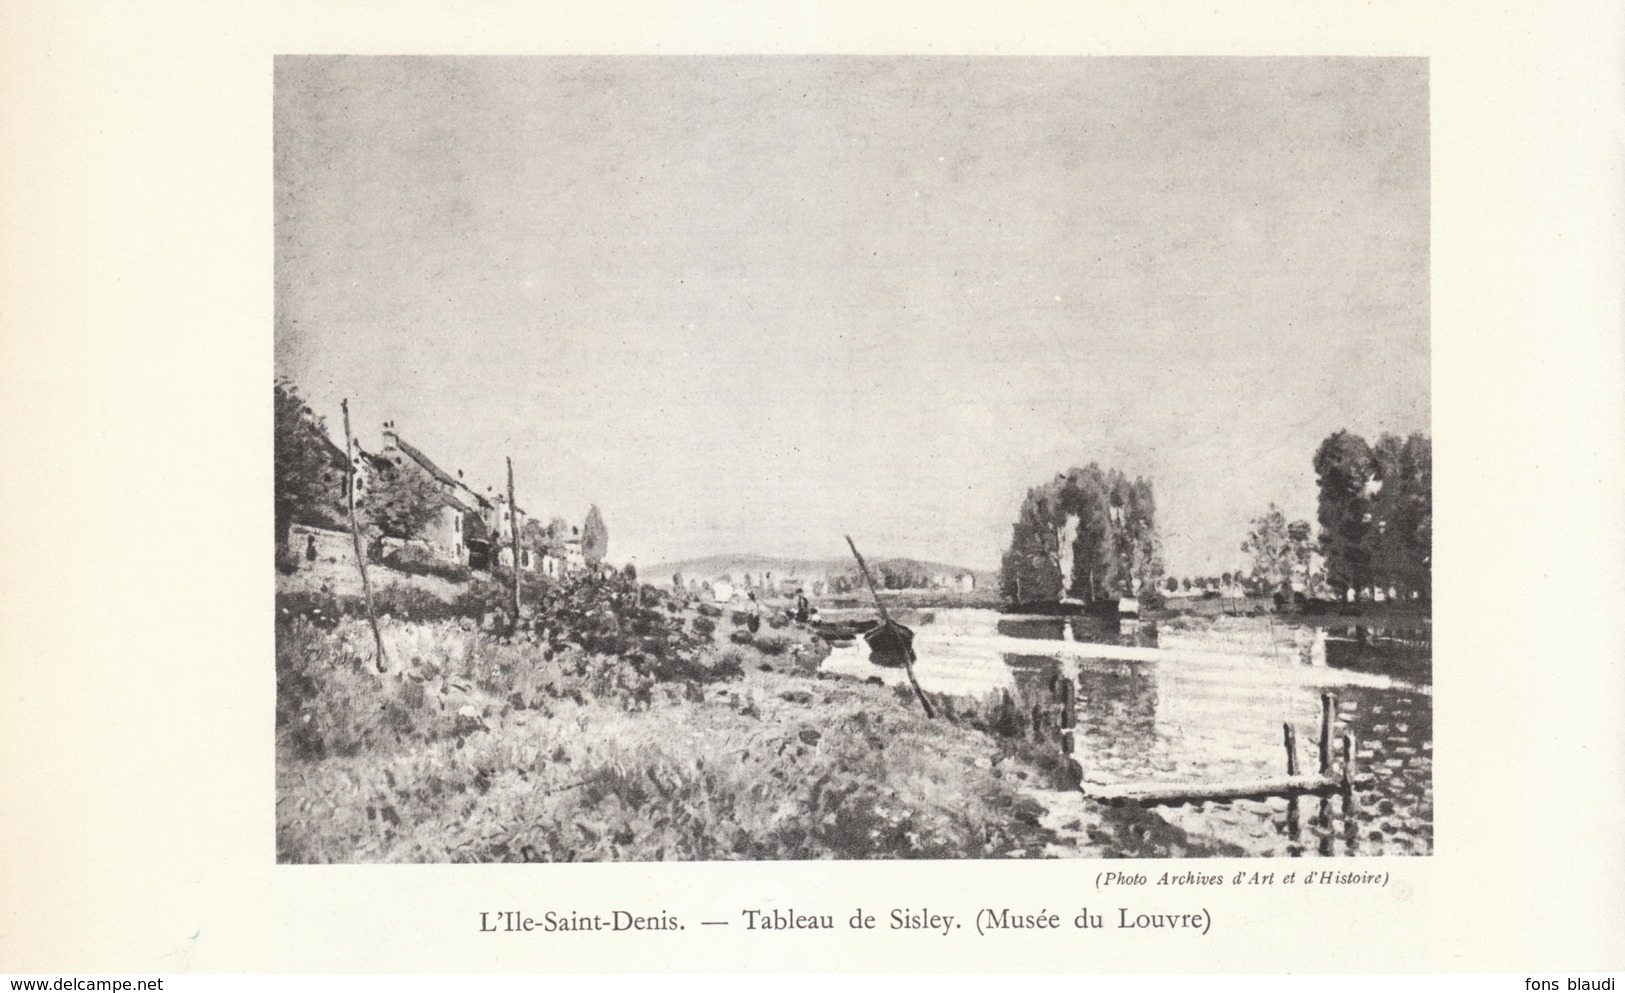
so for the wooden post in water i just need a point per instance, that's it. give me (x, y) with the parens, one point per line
(513, 527)
(1291, 735)
(355, 536)
(1068, 715)
(1351, 829)
(1328, 706)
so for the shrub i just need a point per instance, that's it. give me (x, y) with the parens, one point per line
(410, 602)
(741, 636)
(709, 610)
(728, 664)
(704, 626)
(415, 560)
(317, 607)
(773, 645)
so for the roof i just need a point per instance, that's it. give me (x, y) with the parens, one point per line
(424, 461)
(377, 462)
(329, 447)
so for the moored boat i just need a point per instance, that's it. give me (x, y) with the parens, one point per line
(890, 644)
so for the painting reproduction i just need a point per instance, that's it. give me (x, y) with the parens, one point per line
(840, 457)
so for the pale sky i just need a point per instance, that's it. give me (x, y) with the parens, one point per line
(754, 304)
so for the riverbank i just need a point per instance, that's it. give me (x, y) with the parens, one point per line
(690, 740)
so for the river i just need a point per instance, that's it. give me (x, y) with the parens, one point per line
(1204, 699)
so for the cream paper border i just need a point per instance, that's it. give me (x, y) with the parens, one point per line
(136, 818)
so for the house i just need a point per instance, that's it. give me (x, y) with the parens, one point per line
(504, 522)
(450, 536)
(965, 583)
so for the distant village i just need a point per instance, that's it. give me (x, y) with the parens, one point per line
(724, 582)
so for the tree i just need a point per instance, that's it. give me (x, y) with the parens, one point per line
(594, 537)
(1086, 533)
(1402, 513)
(400, 501)
(310, 473)
(1031, 569)
(630, 572)
(1376, 511)
(1344, 470)
(1280, 550)
(1088, 493)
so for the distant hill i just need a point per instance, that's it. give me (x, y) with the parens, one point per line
(779, 568)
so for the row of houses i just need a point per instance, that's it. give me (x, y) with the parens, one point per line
(470, 528)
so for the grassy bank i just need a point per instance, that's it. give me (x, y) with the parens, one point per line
(618, 725)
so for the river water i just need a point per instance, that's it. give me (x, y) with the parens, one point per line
(1207, 703)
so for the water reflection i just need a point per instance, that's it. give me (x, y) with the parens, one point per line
(1212, 709)
(1081, 628)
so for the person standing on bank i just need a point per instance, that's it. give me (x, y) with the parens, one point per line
(753, 614)
(801, 606)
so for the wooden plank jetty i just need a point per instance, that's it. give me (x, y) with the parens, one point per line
(1328, 782)
(1176, 794)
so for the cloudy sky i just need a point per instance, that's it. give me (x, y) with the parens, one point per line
(753, 304)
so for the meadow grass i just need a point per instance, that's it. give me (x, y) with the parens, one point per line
(609, 728)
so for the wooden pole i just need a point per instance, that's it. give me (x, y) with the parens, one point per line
(885, 619)
(355, 536)
(1328, 704)
(1291, 735)
(1351, 827)
(864, 568)
(513, 528)
(1069, 715)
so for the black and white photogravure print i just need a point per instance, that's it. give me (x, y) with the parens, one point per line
(797, 457)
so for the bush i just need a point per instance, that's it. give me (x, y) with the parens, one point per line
(415, 560)
(409, 602)
(729, 664)
(741, 636)
(704, 626)
(709, 610)
(773, 645)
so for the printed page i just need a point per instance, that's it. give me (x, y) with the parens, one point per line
(831, 489)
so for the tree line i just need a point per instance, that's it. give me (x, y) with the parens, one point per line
(1375, 511)
(1092, 532)
(1088, 533)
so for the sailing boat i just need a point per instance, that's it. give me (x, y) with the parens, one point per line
(890, 644)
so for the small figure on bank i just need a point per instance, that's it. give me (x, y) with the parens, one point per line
(801, 607)
(753, 613)
(310, 548)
